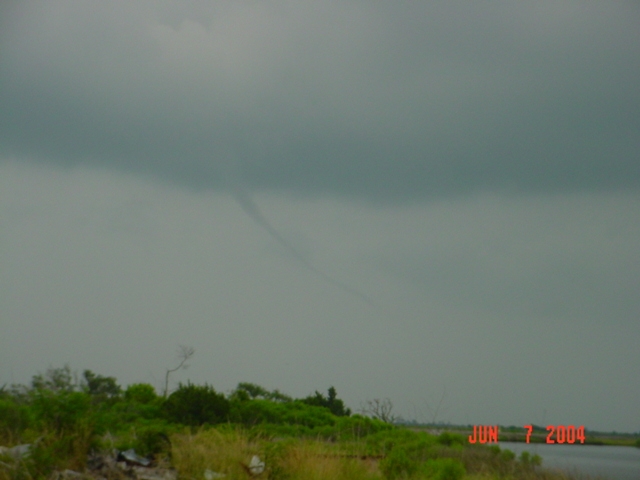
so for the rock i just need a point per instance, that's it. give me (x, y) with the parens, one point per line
(70, 474)
(142, 473)
(130, 456)
(125, 465)
(17, 452)
(210, 474)
(256, 466)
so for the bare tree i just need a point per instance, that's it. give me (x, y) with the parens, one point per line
(184, 354)
(380, 409)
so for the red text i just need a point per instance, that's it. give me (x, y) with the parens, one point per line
(484, 434)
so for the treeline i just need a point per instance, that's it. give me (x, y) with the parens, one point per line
(63, 419)
(138, 417)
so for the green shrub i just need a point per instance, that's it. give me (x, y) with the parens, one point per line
(310, 416)
(100, 387)
(196, 405)
(65, 422)
(495, 449)
(255, 412)
(384, 441)
(14, 417)
(126, 412)
(444, 469)
(357, 426)
(142, 393)
(331, 401)
(148, 439)
(251, 390)
(398, 464)
(450, 439)
(246, 391)
(529, 461)
(58, 451)
(63, 411)
(275, 457)
(507, 455)
(421, 448)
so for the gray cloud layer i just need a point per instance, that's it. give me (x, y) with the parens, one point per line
(472, 167)
(374, 101)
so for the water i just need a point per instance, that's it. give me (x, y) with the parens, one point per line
(615, 463)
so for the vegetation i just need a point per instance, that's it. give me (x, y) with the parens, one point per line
(196, 405)
(196, 428)
(331, 402)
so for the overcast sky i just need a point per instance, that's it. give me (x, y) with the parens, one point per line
(412, 200)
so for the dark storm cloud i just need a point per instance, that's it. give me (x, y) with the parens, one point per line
(501, 140)
(374, 101)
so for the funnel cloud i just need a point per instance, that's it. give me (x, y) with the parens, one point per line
(249, 206)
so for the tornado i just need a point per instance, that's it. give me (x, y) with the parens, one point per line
(244, 200)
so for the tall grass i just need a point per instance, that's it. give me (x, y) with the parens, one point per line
(219, 450)
(313, 460)
(52, 451)
(229, 451)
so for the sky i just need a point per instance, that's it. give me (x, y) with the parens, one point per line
(436, 203)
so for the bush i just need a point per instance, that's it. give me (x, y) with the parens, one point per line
(450, 439)
(61, 412)
(255, 412)
(148, 439)
(529, 461)
(507, 455)
(357, 426)
(59, 451)
(126, 411)
(14, 417)
(385, 441)
(445, 469)
(331, 401)
(100, 387)
(398, 464)
(196, 405)
(142, 393)
(275, 457)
